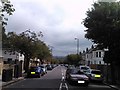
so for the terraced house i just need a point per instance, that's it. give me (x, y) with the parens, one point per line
(94, 56)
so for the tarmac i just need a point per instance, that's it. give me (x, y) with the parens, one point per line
(3, 84)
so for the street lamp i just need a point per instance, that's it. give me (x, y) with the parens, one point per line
(106, 50)
(77, 45)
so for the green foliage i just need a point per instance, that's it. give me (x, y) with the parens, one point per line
(28, 44)
(73, 59)
(103, 26)
(6, 8)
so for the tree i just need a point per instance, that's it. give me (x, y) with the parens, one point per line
(6, 8)
(103, 28)
(27, 43)
(73, 59)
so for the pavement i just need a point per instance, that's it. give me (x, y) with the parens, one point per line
(3, 84)
(116, 87)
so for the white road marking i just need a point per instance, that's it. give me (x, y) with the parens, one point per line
(63, 86)
(62, 74)
(60, 86)
(66, 86)
(63, 78)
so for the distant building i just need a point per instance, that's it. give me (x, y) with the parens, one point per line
(94, 56)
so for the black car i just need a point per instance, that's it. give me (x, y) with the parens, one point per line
(75, 76)
(34, 72)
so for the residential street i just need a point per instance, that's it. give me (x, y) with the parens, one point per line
(53, 80)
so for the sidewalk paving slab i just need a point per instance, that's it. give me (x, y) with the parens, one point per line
(12, 81)
(116, 87)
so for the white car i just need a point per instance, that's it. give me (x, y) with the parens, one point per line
(95, 75)
(84, 68)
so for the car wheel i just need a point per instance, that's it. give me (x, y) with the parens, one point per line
(39, 76)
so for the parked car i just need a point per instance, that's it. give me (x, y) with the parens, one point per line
(49, 67)
(44, 69)
(53, 65)
(71, 66)
(75, 76)
(66, 65)
(84, 68)
(34, 72)
(95, 75)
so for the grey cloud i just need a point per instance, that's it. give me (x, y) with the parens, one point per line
(36, 17)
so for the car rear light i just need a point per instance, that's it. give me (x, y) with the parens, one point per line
(98, 76)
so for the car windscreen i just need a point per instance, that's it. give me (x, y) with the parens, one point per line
(84, 68)
(75, 71)
(96, 72)
(42, 66)
(33, 68)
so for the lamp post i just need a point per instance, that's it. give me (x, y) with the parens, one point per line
(77, 45)
(105, 52)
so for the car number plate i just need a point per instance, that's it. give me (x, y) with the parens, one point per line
(81, 81)
(97, 76)
(32, 72)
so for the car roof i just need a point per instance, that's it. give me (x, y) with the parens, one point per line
(83, 66)
(95, 70)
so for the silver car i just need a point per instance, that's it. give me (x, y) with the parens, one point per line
(95, 75)
(75, 76)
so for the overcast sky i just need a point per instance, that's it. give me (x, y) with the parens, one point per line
(59, 21)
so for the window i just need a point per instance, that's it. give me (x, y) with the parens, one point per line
(94, 62)
(99, 54)
(20, 55)
(5, 52)
(91, 62)
(87, 56)
(99, 62)
(96, 54)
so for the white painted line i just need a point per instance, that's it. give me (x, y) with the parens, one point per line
(66, 86)
(62, 74)
(63, 78)
(60, 88)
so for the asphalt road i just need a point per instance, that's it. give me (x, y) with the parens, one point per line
(53, 80)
